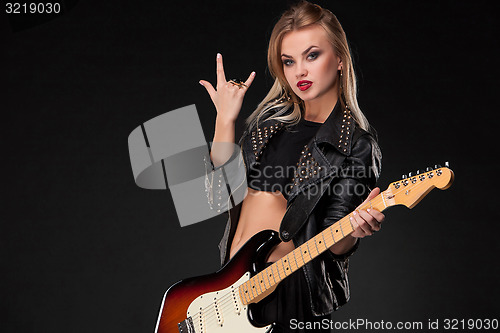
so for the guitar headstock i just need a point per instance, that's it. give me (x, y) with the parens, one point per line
(412, 188)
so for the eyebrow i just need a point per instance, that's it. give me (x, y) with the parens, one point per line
(307, 50)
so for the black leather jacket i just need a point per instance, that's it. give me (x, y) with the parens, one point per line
(335, 173)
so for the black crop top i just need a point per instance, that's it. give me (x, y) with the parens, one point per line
(279, 158)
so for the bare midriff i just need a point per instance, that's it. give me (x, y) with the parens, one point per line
(261, 210)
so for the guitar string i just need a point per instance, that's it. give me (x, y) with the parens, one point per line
(224, 301)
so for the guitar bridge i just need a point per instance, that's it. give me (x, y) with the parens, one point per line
(186, 326)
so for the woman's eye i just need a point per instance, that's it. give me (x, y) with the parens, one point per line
(312, 55)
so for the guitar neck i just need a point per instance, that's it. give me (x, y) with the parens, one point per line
(260, 284)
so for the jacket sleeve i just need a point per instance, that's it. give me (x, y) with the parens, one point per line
(225, 185)
(354, 181)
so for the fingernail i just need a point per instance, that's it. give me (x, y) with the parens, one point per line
(368, 210)
(219, 55)
(354, 213)
(200, 83)
(253, 74)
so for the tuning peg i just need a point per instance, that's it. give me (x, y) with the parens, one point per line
(404, 176)
(410, 174)
(447, 164)
(428, 169)
(419, 172)
(437, 166)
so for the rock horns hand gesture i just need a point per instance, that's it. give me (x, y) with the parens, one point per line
(228, 97)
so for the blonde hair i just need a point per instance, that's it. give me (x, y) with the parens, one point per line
(281, 103)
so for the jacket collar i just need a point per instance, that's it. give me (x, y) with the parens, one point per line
(337, 130)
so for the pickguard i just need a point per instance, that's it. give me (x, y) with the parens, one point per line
(222, 311)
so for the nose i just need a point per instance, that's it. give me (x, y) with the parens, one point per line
(301, 70)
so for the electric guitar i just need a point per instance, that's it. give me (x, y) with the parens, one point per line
(222, 301)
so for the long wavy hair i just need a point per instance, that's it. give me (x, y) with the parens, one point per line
(281, 102)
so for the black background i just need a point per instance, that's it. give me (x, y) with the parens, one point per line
(83, 249)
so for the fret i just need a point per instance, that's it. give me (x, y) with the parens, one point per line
(258, 290)
(262, 280)
(282, 264)
(324, 240)
(277, 270)
(309, 252)
(272, 273)
(315, 244)
(296, 263)
(300, 250)
(268, 275)
(383, 200)
(249, 291)
(333, 236)
(244, 293)
(289, 263)
(340, 227)
(252, 289)
(349, 225)
(348, 220)
(257, 284)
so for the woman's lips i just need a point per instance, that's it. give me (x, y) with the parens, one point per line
(304, 85)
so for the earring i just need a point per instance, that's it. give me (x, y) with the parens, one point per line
(341, 80)
(342, 95)
(285, 97)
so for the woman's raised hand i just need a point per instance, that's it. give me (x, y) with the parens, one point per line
(228, 97)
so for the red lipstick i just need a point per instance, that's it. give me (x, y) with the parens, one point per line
(304, 85)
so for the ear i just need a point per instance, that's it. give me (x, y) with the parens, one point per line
(339, 61)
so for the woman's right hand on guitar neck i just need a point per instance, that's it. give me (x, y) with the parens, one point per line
(228, 97)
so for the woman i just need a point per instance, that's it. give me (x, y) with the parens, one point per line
(310, 112)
